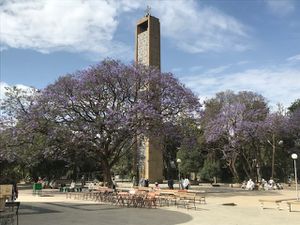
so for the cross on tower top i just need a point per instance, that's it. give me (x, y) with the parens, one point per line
(148, 11)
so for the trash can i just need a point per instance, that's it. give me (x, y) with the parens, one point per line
(37, 188)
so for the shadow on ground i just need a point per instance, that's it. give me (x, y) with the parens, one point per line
(62, 213)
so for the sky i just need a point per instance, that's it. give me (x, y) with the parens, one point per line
(209, 45)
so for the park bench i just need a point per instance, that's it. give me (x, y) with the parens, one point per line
(68, 189)
(144, 188)
(276, 201)
(200, 198)
(186, 200)
(193, 200)
(290, 203)
(166, 197)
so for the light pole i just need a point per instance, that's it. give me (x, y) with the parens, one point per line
(295, 157)
(179, 180)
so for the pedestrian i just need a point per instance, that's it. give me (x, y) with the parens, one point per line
(40, 180)
(15, 192)
(142, 182)
(114, 184)
(146, 183)
(82, 181)
(289, 181)
(171, 184)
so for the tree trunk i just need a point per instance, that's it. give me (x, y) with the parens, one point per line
(233, 170)
(248, 169)
(235, 173)
(106, 173)
(247, 172)
(273, 156)
(258, 172)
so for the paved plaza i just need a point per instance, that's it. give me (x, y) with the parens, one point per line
(55, 209)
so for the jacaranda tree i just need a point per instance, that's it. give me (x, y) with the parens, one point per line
(100, 110)
(232, 126)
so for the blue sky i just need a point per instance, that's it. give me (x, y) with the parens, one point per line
(209, 45)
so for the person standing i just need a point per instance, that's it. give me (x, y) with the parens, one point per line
(171, 184)
(114, 184)
(82, 181)
(15, 191)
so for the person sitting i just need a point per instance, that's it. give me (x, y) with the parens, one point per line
(91, 186)
(272, 185)
(156, 186)
(244, 184)
(250, 185)
(265, 184)
(72, 186)
(186, 183)
(132, 191)
(279, 186)
(40, 180)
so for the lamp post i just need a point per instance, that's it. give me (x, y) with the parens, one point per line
(179, 180)
(295, 157)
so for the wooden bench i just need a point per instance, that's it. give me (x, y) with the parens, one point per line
(200, 199)
(182, 200)
(276, 201)
(189, 200)
(290, 203)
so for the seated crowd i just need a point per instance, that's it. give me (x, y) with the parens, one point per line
(263, 185)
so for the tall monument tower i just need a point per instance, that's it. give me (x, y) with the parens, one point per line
(147, 52)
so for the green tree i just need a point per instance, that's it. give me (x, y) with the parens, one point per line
(210, 170)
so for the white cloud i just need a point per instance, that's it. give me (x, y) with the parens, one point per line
(4, 85)
(197, 28)
(278, 85)
(222, 69)
(90, 26)
(219, 69)
(294, 59)
(280, 7)
(68, 25)
(2, 89)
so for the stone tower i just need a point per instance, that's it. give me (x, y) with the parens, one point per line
(147, 52)
(147, 41)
